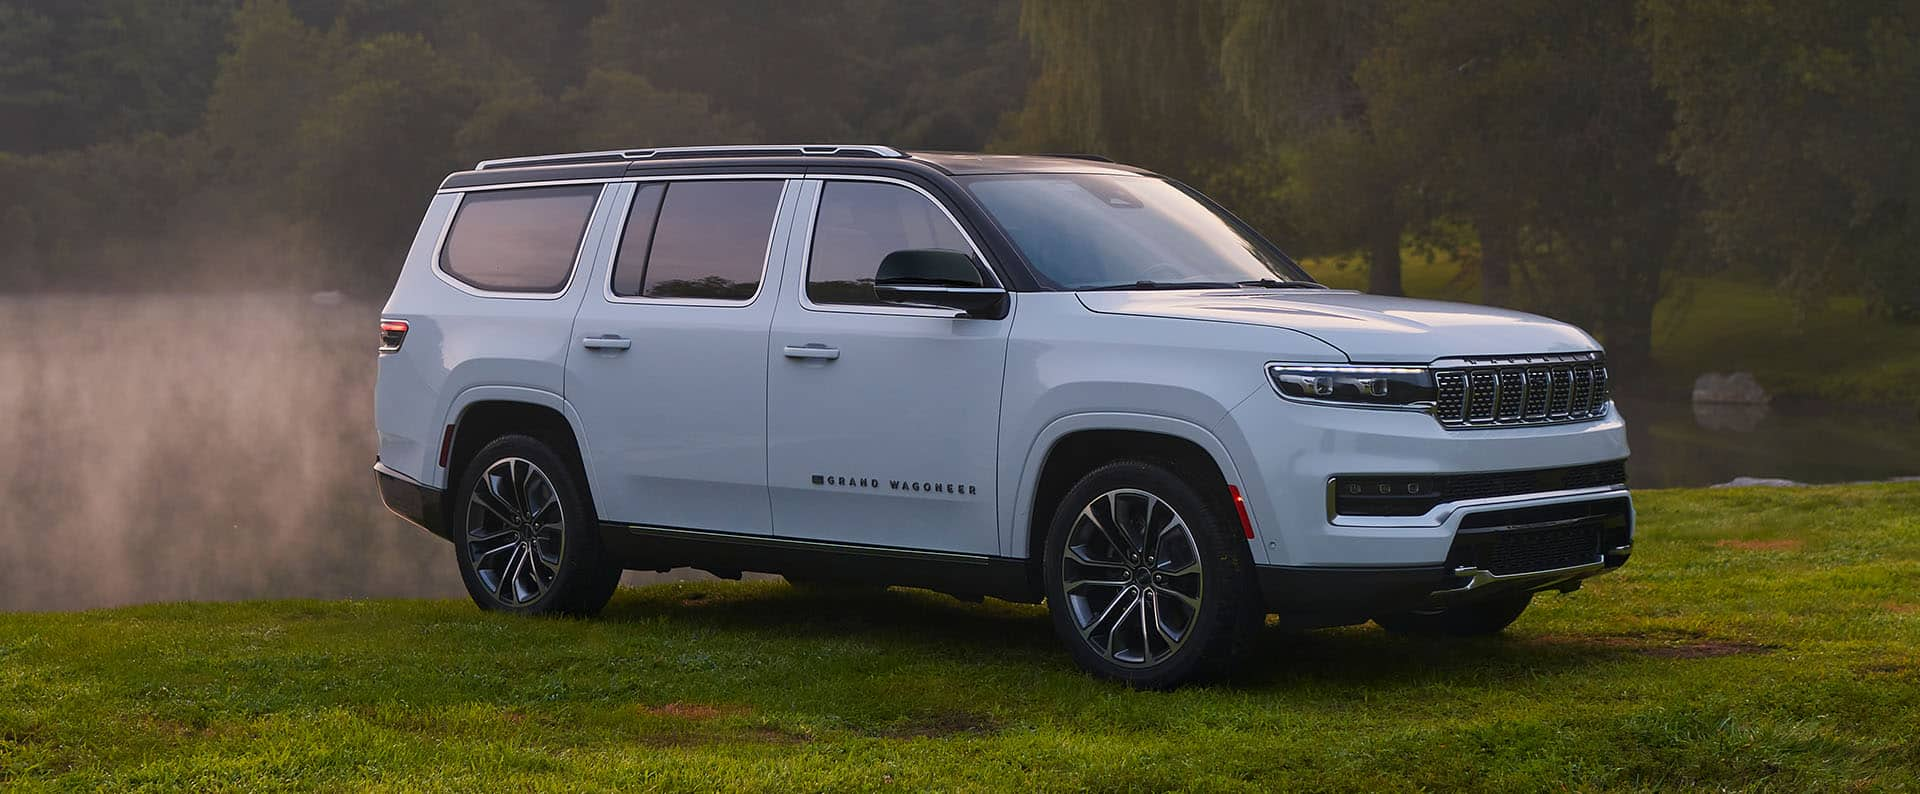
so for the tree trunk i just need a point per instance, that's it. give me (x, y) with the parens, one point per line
(1383, 263)
(1497, 254)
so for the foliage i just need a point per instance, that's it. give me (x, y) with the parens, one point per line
(1760, 639)
(1797, 121)
(1581, 159)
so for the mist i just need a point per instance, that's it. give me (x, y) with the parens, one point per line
(195, 447)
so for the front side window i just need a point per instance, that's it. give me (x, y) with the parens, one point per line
(1092, 231)
(697, 239)
(520, 240)
(858, 224)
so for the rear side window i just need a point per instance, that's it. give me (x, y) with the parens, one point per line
(520, 240)
(697, 239)
(859, 223)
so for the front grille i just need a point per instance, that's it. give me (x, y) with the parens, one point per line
(1415, 495)
(1533, 539)
(1521, 390)
(1528, 551)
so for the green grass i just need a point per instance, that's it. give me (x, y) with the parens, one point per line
(1831, 351)
(1760, 638)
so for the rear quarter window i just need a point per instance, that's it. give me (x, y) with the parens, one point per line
(518, 240)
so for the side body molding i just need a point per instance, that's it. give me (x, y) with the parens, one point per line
(1017, 529)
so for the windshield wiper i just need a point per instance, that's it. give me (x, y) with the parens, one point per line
(1161, 285)
(1274, 283)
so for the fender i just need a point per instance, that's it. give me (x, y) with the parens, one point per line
(1014, 538)
(518, 394)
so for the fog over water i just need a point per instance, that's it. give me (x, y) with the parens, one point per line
(218, 447)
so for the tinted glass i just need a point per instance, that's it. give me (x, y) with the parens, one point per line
(711, 239)
(858, 225)
(522, 240)
(631, 264)
(1095, 230)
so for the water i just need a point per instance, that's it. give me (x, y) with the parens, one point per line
(1677, 444)
(164, 448)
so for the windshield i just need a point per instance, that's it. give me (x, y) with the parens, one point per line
(1093, 231)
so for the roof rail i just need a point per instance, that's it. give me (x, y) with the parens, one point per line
(618, 155)
(1098, 158)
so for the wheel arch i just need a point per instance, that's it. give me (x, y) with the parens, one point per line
(1071, 446)
(483, 413)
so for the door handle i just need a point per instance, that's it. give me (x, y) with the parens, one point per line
(606, 342)
(813, 350)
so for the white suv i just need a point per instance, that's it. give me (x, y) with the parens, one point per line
(1035, 378)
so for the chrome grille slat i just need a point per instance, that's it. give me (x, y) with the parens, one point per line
(1510, 391)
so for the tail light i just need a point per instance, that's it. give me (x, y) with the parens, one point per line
(392, 333)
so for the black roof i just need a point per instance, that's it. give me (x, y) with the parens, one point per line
(773, 159)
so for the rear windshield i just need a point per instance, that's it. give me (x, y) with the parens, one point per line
(520, 240)
(1089, 231)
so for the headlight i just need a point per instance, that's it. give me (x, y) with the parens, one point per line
(1355, 386)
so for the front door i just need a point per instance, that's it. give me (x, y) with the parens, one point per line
(882, 421)
(669, 367)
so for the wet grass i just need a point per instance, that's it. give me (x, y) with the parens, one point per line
(1760, 639)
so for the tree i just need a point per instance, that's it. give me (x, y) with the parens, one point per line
(1347, 182)
(1540, 122)
(1797, 121)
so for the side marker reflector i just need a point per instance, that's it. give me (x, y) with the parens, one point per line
(446, 446)
(1239, 506)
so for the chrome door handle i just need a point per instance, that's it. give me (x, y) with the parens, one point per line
(607, 342)
(815, 350)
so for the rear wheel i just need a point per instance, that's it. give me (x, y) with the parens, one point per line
(1476, 619)
(1146, 581)
(527, 540)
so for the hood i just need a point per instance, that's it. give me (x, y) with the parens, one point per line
(1368, 328)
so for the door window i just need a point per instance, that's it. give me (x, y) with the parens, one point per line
(858, 224)
(704, 239)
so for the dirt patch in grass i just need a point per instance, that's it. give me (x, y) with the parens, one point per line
(1899, 608)
(1895, 669)
(1690, 648)
(1761, 545)
(940, 724)
(694, 711)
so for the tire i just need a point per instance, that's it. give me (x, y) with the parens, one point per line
(1476, 619)
(525, 533)
(1198, 584)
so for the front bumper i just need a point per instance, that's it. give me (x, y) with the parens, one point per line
(1285, 455)
(418, 503)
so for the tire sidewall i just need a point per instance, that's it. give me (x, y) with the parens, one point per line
(581, 548)
(1226, 576)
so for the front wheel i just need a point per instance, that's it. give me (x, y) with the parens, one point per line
(1476, 619)
(527, 540)
(1146, 581)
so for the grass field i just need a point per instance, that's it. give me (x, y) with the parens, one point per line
(1760, 638)
(1832, 351)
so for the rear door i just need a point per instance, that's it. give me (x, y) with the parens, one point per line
(882, 421)
(669, 374)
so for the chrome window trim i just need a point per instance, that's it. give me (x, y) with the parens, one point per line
(619, 231)
(518, 185)
(600, 203)
(806, 256)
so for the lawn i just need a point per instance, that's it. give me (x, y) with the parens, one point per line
(1761, 638)
(1831, 350)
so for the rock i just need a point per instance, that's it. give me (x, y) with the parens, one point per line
(1759, 482)
(1729, 417)
(1731, 387)
(328, 298)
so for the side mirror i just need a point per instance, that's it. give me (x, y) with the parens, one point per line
(941, 278)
